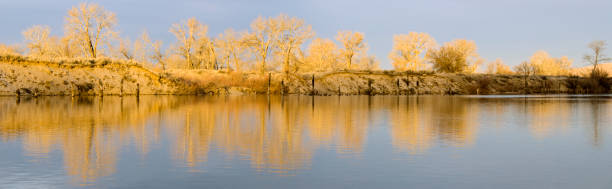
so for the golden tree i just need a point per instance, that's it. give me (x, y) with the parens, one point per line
(408, 50)
(141, 48)
(188, 33)
(124, 50)
(262, 38)
(323, 55)
(293, 32)
(543, 64)
(90, 25)
(353, 43)
(456, 56)
(158, 56)
(498, 67)
(36, 39)
(136, 50)
(368, 63)
(8, 49)
(205, 53)
(231, 47)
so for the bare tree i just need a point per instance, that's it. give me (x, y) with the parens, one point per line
(231, 47)
(353, 43)
(36, 39)
(91, 26)
(188, 33)
(141, 48)
(525, 69)
(262, 38)
(597, 56)
(293, 33)
(205, 53)
(124, 50)
(158, 55)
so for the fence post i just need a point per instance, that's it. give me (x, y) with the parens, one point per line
(269, 81)
(121, 88)
(283, 87)
(101, 87)
(417, 87)
(369, 87)
(313, 85)
(398, 87)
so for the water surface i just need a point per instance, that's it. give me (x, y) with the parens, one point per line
(306, 142)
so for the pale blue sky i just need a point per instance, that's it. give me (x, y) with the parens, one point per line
(511, 30)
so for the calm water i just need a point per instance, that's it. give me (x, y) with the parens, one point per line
(306, 142)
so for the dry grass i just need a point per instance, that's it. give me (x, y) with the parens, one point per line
(586, 71)
(96, 76)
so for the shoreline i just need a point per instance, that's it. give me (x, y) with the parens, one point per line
(25, 76)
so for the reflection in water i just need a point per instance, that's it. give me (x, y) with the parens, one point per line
(416, 122)
(275, 134)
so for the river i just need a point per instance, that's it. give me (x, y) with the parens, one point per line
(549, 141)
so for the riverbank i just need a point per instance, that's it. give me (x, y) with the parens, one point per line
(27, 76)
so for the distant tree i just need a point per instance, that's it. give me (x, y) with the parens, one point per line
(408, 50)
(226, 43)
(322, 55)
(36, 38)
(124, 50)
(293, 32)
(353, 43)
(262, 39)
(158, 56)
(543, 64)
(231, 46)
(142, 48)
(597, 56)
(205, 54)
(456, 56)
(498, 67)
(368, 63)
(90, 26)
(188, 33)
(61, 47)
(67, 47)
(8, 49)
(525, 69)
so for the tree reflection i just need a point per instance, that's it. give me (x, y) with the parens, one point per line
(275, 134)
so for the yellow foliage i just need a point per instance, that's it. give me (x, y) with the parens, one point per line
(323, 55)
(193, 44)
(456, 56)
(90, 26)
(498, 67)
(354, 45)
(408, 50)
(8, 50)
(231, 49)
(543, 64)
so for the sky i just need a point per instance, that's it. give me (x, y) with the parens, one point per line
(510, 30)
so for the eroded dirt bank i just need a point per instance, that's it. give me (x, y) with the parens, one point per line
(24, 77)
